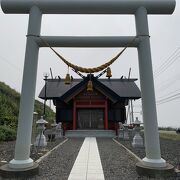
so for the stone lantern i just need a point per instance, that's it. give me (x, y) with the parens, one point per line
(52, 132)
(126, 132)
(41, 139)
(137, 140)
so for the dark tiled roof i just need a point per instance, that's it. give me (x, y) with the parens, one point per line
(55, 88)
(122, 88)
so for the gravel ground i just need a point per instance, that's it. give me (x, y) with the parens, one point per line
(170, 151)
(117, 163)
(7, 150)
(58, 165)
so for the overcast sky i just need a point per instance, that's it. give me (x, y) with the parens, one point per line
(165, 43)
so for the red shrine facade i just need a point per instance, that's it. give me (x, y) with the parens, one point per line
(102, 108)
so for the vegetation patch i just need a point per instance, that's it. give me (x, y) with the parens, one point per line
(7, 133)
(9, 110)
(169, 135)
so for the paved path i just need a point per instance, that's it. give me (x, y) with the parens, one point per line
(88, 163)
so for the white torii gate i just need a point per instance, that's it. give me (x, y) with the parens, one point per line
(35, 9)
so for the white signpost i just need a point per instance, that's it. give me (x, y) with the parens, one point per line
(140, 9)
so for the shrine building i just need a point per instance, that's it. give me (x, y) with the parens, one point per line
(102, 106)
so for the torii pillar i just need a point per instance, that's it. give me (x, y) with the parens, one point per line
(35, 9)
(153, 154)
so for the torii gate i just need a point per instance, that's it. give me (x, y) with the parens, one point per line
(35, 9)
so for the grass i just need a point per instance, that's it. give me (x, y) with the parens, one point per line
(167, 132)
(171, 135)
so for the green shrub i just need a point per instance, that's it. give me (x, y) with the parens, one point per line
(7, 134)
(2, 135)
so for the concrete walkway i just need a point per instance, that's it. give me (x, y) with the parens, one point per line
(88, 163)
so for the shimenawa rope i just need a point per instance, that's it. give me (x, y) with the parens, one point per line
(87, 70)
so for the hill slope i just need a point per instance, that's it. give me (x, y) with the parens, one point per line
(9, 107)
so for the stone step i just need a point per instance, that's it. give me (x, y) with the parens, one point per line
(90, 133)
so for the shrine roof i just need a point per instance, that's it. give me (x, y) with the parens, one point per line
(116, 88)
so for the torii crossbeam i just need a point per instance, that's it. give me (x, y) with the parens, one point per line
(140, 9)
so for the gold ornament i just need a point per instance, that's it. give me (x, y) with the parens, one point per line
(108, 72)
(90, 86)
(67, 79)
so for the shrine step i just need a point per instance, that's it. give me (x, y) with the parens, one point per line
(90, 133)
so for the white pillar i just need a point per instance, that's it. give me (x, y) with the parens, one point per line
(152, 146)
(23, 142)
